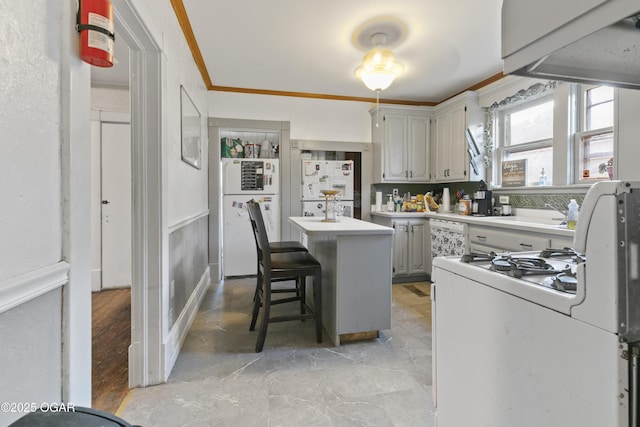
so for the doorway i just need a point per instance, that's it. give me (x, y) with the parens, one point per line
(112, 240)
(145, 364)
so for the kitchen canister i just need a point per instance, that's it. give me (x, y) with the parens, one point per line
(251, 151)
(464, 208)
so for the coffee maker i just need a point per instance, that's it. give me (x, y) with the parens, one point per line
(482, 202)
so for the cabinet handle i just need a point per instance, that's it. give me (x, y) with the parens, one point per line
(411, 174)
(526, 246)
(406, 174)
(412, 229)
(482, 238)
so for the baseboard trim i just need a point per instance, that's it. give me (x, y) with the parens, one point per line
(21, 289)
(180, 329)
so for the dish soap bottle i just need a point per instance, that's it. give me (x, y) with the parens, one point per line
(572, 214)
(543, 178)
(390, 204)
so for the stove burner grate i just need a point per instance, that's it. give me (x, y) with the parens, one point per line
(478, 257)
(564, 252)
(518, 267)
(566, 282)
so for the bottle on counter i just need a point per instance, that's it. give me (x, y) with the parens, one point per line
(390, 204)
(542, 180)
(572, 214)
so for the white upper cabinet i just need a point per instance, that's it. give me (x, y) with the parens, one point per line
(449, 150)
(401, 144)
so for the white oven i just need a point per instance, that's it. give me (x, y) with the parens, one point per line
(544, 338)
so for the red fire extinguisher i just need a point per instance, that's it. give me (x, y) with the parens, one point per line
(95, 25)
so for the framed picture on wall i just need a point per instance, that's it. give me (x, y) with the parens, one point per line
(190, 130)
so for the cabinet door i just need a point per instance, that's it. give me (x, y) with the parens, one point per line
(440, 152)
(418, 149)
(457, 147)
(417, 247)
(395, 137)
(400, 247)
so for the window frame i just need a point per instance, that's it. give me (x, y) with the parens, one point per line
(502, 131)
(581, 133)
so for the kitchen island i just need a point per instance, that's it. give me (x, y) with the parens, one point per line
(356, 274)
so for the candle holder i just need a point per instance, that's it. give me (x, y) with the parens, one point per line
(329, 195)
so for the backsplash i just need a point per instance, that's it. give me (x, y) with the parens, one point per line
(516, 200)
(537, 201)
(436, 189)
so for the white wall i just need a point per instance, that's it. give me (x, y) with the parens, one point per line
(184, 188)
(110, 99)
(30, 195)
(30, 124)
(310, 119)
(44, 192)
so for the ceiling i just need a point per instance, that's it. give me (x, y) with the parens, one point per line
(311, 49)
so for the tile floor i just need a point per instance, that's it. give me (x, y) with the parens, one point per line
(218, 379)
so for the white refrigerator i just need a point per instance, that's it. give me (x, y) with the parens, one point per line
(320, 175)
(243, 180)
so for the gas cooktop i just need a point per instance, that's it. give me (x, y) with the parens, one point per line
(552, 268)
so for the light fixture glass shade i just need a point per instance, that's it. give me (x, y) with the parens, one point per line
(379, 68)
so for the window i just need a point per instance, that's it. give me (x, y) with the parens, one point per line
(528, 134)
(595, 139)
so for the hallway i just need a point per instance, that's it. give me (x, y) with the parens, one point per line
(111, 336)
(219, 380)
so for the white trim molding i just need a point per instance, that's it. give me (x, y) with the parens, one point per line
(181, 327)
(188, 221)
(21, 289)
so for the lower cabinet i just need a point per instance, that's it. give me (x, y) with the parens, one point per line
(411, 247)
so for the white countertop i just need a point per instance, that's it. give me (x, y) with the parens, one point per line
(511, 222)
(345, 226)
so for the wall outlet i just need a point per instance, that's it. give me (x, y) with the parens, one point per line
(504, 200)
(395, 193)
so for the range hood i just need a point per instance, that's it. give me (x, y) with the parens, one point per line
(599, 45)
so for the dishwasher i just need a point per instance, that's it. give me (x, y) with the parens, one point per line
(448, 237)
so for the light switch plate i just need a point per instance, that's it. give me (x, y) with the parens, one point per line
(504, 200)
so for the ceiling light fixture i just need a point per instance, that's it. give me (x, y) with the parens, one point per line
(379, 67)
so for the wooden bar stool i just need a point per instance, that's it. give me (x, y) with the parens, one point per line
(278, 266)
(276, 248)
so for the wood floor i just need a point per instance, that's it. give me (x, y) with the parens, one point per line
(111, 332)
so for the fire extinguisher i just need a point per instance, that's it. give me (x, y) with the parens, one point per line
(95, 25)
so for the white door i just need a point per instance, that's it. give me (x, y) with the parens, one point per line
(116, 205)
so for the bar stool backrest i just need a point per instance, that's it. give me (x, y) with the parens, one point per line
(260, 234)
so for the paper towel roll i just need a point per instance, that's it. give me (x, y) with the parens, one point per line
(378, 201)
(446, 200)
